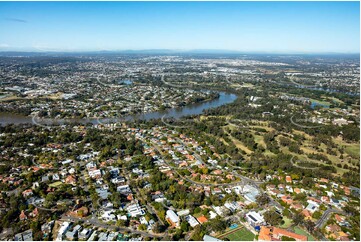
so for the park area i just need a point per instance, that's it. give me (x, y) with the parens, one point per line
(238, 234)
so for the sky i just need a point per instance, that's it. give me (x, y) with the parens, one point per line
(290, 27)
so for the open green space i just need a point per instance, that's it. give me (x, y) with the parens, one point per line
(241, 235)
(298, 230)
(287, 223)
(353, 151)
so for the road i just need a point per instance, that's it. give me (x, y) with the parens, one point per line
(149, 206)
(326, 215)
(191, 181)
(96, 222)
(7, 232)
(244, 180)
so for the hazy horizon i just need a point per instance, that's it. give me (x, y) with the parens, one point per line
(180, 51)
(269, 27)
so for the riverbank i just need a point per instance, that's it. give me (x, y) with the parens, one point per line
(190, 109)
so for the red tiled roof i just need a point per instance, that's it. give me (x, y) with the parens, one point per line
(275, 234)
(202, 219)
(22, 215)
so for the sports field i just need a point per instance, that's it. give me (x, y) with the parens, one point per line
(298, 230)
(241, 235)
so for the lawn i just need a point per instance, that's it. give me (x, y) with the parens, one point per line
(55, 184)
(302, 232)
(287, 223)
(353, 151)
(269, 153)
(259, 140)
(241, 235)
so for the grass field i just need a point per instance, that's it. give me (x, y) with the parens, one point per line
(353, 151)
(241, 235)
(259, 140)
(302, 232)
(9, 98)
(287, 223)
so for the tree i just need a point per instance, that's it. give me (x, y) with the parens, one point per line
(272, 218)
(122, 223)
(308, 181)
(218, 224)
(323, 207)
(350, 210)
(142, 227)
(285, 238)
(310, 226)
(262, 199)
(95, 197)
(184, 226)
(297, 218)
(197, 210)
(178, 235)
(116, 199)
(286, 212)
(300, 196)
(198, 233)
(50, 197)
(316, 215)
(158, 228)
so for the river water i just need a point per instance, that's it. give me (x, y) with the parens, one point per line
(191, 109)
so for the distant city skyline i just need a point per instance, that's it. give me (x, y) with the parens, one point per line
(280, 27)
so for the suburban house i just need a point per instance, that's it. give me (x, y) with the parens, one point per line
(255, 219)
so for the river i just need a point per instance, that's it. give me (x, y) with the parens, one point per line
(191, 109)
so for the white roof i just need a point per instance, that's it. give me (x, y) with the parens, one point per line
(256, 217)
(212, 214)
(210, 238)
(183, 212)
(192, 221)
(84, 231)
(172, 216)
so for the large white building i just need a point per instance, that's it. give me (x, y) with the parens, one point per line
(64, 227)
(255, 219)
(173, 217)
